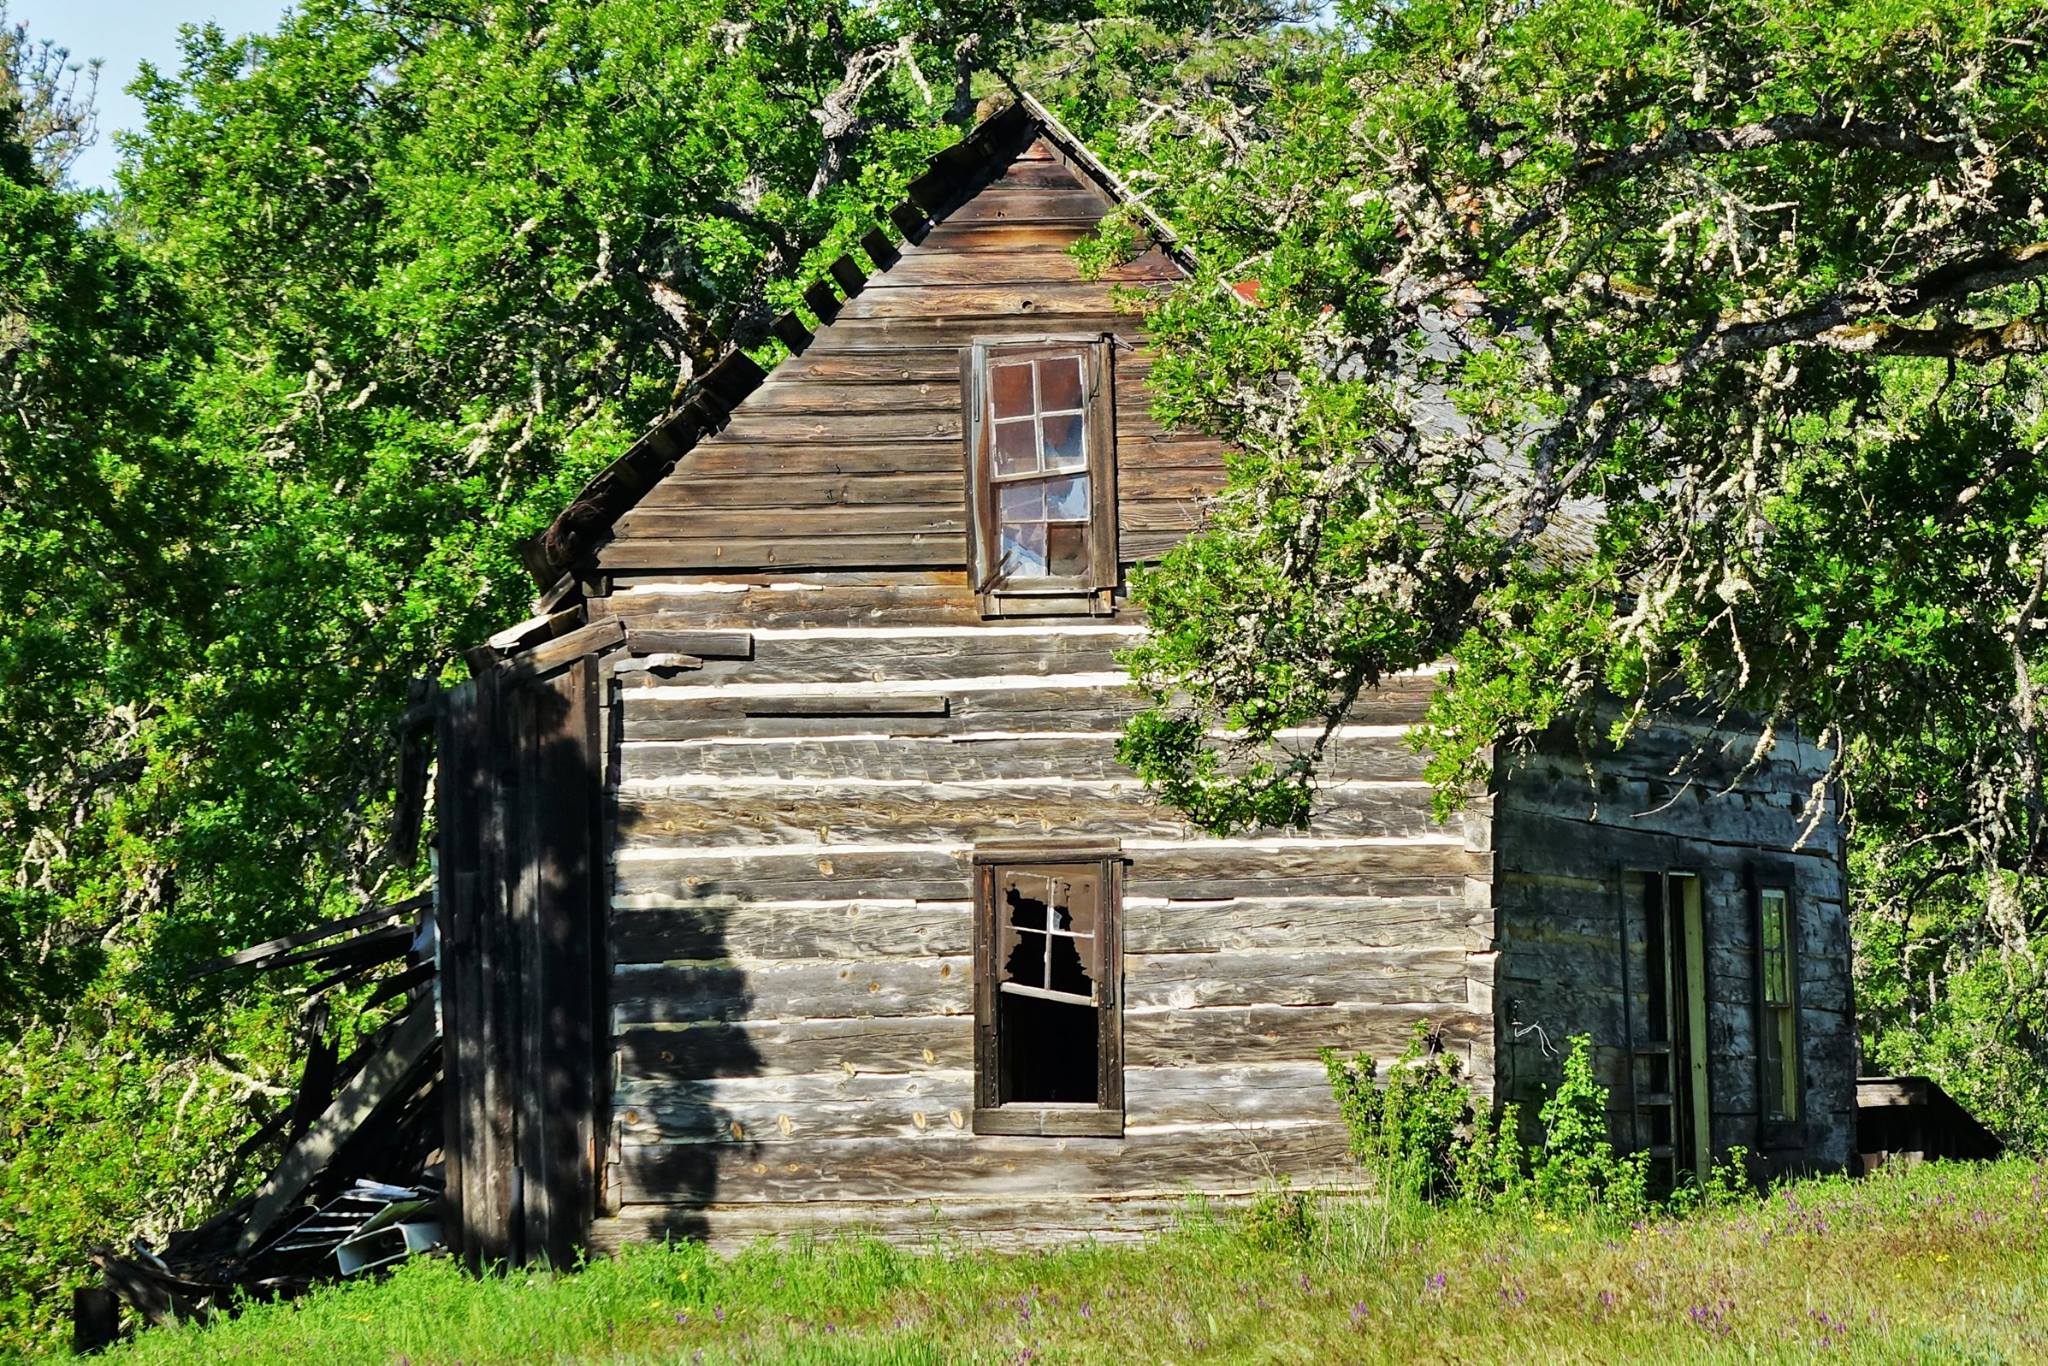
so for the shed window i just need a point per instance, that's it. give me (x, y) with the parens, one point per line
(1048, 1037)
(1040, 427)
(1778, 1005)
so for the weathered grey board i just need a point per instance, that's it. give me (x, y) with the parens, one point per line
(966, 811)
(1241, 1157)
(655, 933)
(961, 759)
(938, 1105)
(1218, 870)
(996, 1225)
(736, 990)
(1152, 1038)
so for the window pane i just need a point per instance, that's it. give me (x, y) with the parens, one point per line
(1066, 553)
(1023, 550)
(1016, 447)
(1064, 447)
(1010, 389)
(1776, 951)
(1067, 498)
(1021, 502)
(1059, 383)
(1785, 1103)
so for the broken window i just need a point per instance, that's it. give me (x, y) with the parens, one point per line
(1048, 1039)
(1777, 1005)
(1039, 435)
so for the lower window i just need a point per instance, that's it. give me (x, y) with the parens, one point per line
(1048, 1034)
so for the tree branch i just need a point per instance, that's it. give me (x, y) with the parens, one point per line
(1851, 134)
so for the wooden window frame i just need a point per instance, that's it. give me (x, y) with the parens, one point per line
(1093, 592)
(1105, 1118)
(1777, 1130)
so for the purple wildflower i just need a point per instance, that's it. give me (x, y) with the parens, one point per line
(682, 1319)
(1359, 1313)
(1437, 1280)
(1304, 1282)
(718, 1312)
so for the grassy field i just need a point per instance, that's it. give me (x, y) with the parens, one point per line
(1941, 1264)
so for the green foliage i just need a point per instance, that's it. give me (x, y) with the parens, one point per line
(1418, 1136)
(1409, 1131)
(1626, 359)
(1576, 1169)
(380, 290)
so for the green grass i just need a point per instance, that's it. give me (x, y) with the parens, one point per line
(1940, 1264)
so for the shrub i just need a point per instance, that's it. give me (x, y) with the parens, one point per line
(1416, 1134)
(1576, 1168)
(1406, 1132)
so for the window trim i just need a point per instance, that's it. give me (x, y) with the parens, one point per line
(1088, 593)
(1105, 1118)
(1777, 1131)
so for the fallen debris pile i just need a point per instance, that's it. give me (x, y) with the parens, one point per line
(359, 1181)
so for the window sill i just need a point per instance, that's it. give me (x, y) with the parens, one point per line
(1061, 601)
(1051, 1121)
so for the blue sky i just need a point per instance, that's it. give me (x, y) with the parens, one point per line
(127, 33)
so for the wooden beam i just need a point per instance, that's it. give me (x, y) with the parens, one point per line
(380, 1082)
(258, 953)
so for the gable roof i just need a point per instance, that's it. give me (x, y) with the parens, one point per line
(952, 177)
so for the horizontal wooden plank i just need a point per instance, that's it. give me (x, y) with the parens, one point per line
(944, 759)
(738, 990)
(790, 522)
(903, 455)
(1046, 299)
(850, 491)
(1275, 1033)
(1218, 1035)
(1055, 705)
(1214, 870)
(1229, 1157)
(713, 552)
(850, 428)
(646, 931)
(960, 235)
(775, 604)
(999, 650)
(1002, 204)
(962, 811)
(996, 1225)
(693, 1051)
(916, 1107)
(705, 645)
(938, 265)
(894, 334)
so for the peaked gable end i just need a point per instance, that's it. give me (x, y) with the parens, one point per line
(851, 453)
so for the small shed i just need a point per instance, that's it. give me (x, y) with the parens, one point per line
(788, 878)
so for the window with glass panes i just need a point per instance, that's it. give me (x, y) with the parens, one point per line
(1047, 1035)
(1778, 997)
(1039, 433)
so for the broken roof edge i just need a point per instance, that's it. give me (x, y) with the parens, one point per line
(582, 526)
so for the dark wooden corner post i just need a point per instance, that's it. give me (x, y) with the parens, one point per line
(521, 879)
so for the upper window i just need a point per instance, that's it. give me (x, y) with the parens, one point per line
(1039, 435)
(1048, 1037)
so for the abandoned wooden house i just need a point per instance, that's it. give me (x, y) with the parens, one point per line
(788, 878)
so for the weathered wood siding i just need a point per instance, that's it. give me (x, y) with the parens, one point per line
(1563, 849)
(850, 454)
(791, 923)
